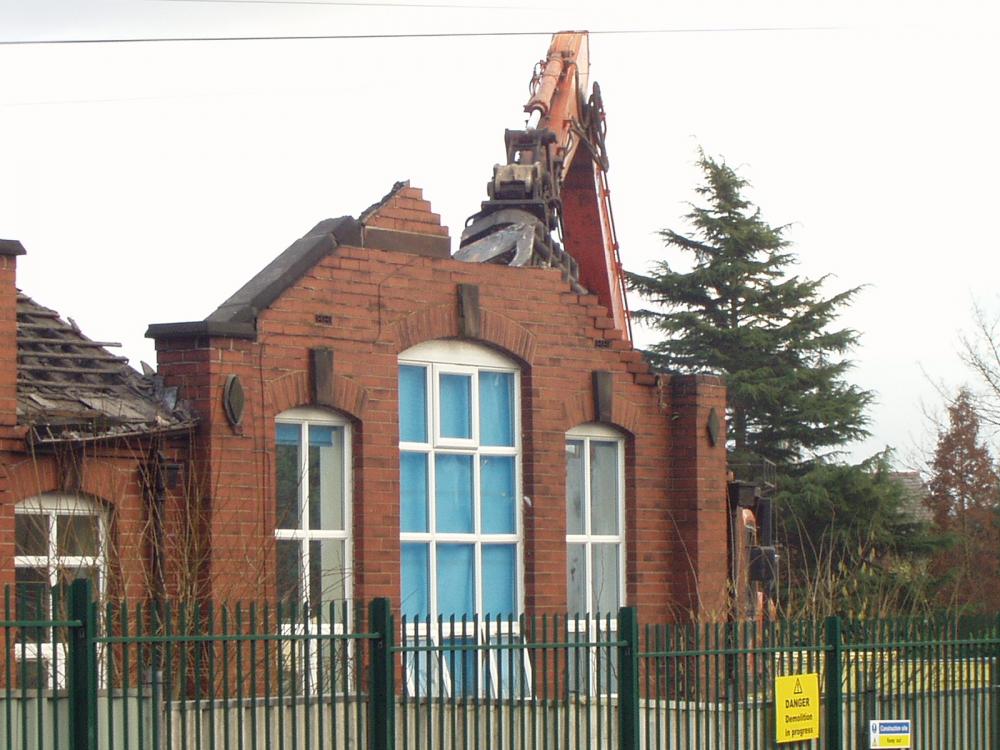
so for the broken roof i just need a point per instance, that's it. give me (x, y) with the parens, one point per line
(70, 388)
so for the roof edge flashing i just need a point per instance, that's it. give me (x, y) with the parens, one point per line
(12, 248)
(237, 316)
(220, 329)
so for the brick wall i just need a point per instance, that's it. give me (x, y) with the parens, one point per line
(8, 340)
(368, 305)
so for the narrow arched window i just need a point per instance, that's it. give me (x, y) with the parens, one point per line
(595, 543)
(312, 509)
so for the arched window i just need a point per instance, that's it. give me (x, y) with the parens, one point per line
(58, 538)
(312, 508)
(595, 542)
(460, 515)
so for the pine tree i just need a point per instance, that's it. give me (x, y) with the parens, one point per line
(964, 502)
(739, 312)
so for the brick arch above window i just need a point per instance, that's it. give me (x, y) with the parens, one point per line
(442, 322)
(578, 409)
(102, 481)
(292, 390)
(29, 477)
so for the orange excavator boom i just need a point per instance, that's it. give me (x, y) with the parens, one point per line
(555, 181)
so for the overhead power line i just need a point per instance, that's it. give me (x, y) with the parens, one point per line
(362, 4)
(429, 35)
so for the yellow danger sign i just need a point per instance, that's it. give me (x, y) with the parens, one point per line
(796, 703)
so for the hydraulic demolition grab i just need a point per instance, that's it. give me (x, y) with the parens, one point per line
(555, 180)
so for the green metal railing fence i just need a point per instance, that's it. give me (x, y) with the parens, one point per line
(81, 676)
(713, 686)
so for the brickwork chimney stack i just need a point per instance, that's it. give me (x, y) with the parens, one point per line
(9, 250)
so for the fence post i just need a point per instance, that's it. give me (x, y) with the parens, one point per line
(82, 669)
(628, 678)
(834, 697)
(382, 692)
(995, 688)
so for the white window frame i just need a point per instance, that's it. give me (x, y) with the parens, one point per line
(305, 652)
(51, 505)
(598, 626)
(304, 417)
(463, 358)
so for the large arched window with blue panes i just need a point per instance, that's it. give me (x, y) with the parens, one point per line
(460, 517)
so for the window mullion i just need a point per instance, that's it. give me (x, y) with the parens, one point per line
(477, 529)
(622, 525)
(433, 401)
(588, 545)
(432, 426)
(304, 515)
(474, 407)
(432, 598)
(304, 477)
(477, 575)
(587, 483)
(52, 563)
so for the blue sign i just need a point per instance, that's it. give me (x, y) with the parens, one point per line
(890, 733)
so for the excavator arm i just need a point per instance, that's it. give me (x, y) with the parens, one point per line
(554, 182)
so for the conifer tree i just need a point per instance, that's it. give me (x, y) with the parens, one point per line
(740, 312)
(964, 503)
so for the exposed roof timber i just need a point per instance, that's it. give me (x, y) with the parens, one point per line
(71, 389)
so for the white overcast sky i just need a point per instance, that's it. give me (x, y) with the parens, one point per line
(148, 181)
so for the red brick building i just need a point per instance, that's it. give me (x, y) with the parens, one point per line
(480, 437)
(367, 417)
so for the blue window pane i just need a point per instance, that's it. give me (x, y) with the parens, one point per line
(455, 580)
(510, 671)
(321, 436)
(415, 600)
(496, 413)
(461, 665)
(413, 491)
(499, 573)
(496, 479)
(453, 493)
(456, 406)
(412, 404)
(421, 669)
(289, 434)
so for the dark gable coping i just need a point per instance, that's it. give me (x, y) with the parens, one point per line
(237, 316)
(11, 247)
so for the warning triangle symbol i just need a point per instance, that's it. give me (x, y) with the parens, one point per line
(798, 687)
